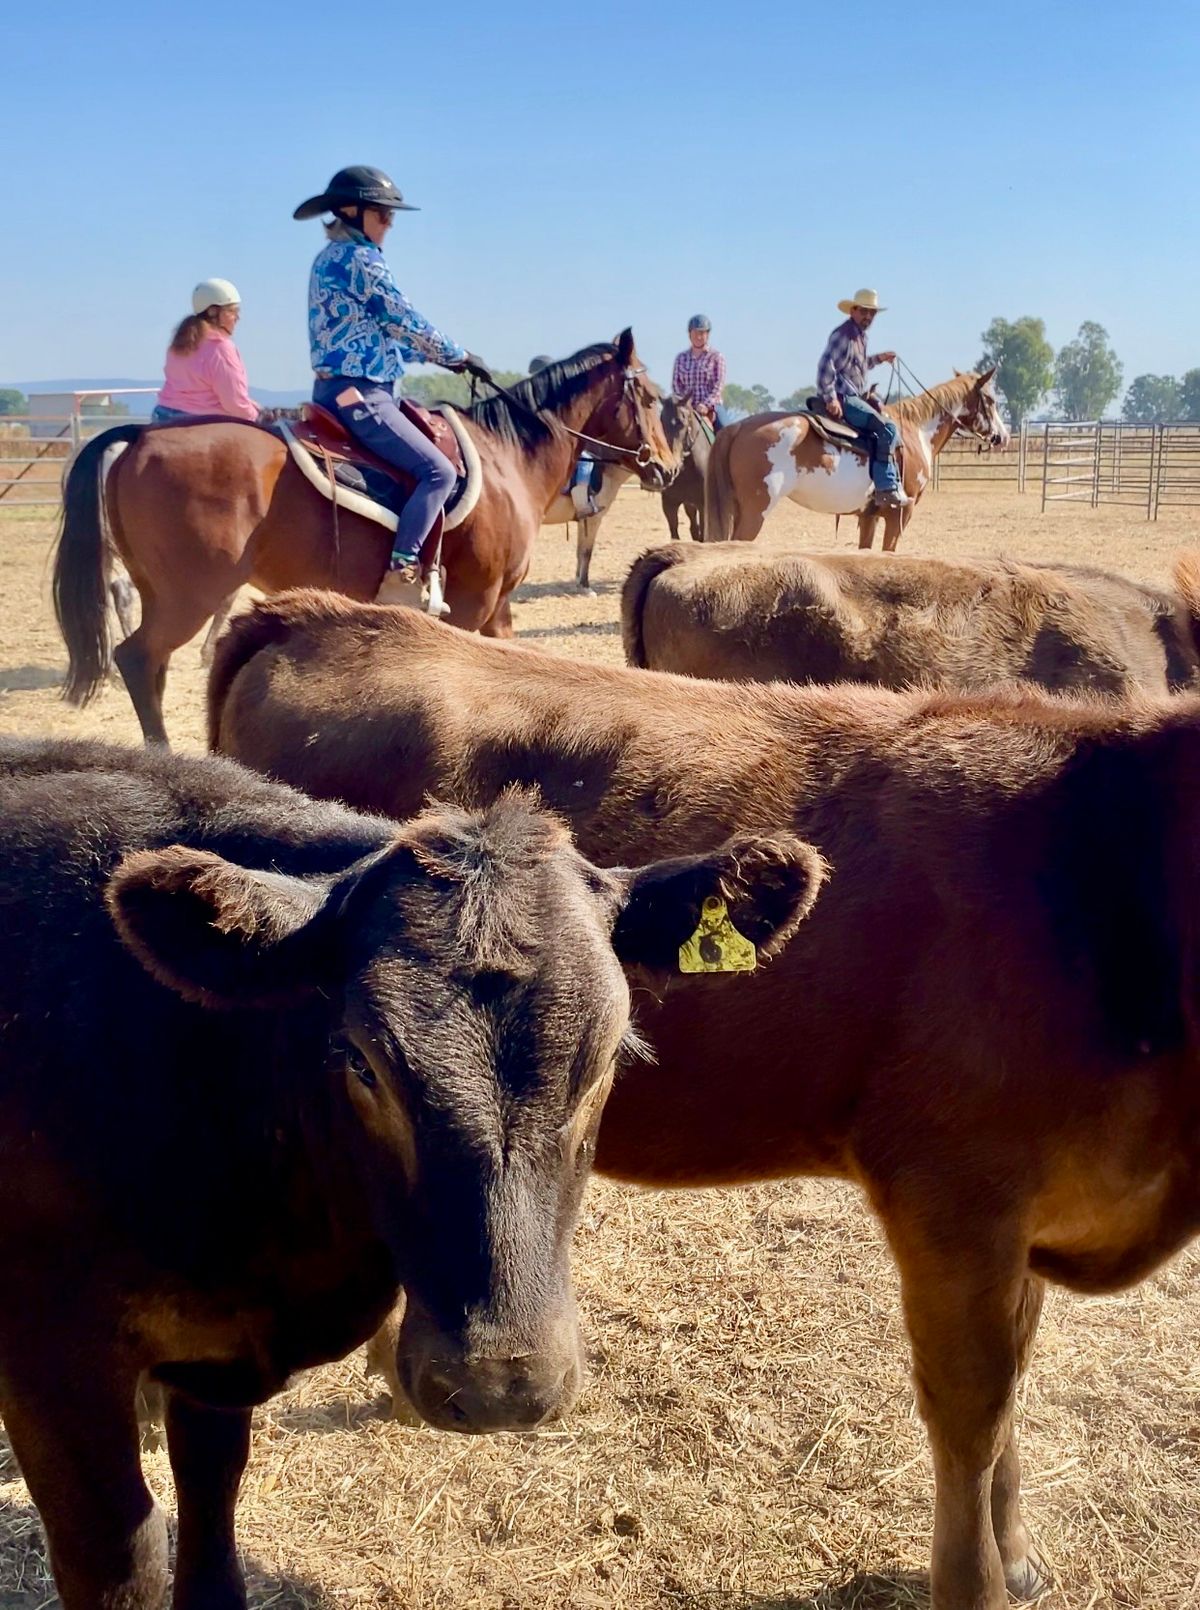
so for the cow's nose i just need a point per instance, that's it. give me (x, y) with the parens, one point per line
(495, 1394)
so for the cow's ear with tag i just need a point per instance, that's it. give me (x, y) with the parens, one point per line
(719, 912)
(216, 933)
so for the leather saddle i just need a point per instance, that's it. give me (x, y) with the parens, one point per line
(355, 466)
(834, 431)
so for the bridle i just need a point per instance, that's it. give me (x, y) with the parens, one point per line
(603, 452)
(962, 427)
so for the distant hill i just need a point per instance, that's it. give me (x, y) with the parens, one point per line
(139, 406)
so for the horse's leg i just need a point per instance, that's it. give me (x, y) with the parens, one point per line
(693, 514)
(143, 657)
(121, 591)
(891, 529)
(74, 1431)
(208, 1449)
(220, 616)
(501, 623)
(748, 524)
(866, 526)
(585, 543)
(670, 507)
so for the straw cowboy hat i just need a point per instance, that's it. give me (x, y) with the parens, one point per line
(867, 299)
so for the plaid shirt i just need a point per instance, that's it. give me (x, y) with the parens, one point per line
(844, 363)
(699, 376)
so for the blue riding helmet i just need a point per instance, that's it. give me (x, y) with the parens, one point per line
(699, 321)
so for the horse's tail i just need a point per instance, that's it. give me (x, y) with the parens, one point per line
(720, 504)
(637, 584)
(82, 560)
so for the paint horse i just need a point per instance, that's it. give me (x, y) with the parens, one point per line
(811, 460)
(197, 509)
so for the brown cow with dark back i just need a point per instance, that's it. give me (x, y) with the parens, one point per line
(991, 1021)
(729, 611)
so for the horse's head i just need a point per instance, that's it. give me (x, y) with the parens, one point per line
(683, 430)
(980, 412)
(629, 415)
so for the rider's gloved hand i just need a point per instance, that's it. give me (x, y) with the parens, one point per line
(472, 364)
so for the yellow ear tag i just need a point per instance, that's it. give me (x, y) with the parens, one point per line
(716, 946)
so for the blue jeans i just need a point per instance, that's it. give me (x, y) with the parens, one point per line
(164, 416)
(884, 434)
(377, 423)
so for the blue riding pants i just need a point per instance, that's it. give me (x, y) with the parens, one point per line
(884, 434)
(373, 418)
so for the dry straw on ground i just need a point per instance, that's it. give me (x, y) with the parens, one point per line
(748, 1438)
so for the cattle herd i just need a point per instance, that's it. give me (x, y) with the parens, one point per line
(897, 860)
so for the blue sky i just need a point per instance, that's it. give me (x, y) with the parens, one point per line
(580, 169)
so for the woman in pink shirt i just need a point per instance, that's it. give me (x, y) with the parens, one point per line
(203, 368)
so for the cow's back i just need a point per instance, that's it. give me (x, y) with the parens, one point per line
(903, 621)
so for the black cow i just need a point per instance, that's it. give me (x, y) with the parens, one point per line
(262, 1062)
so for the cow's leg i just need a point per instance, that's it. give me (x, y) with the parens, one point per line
(585, 542)
(1024, 1570)
(208, 1449)
(969, 1324)
(75, 1434)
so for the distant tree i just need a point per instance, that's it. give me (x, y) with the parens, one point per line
(13, 402)
(748, 399)
(1189, 395)
(442, 386)
(1024, 363)
(1087, 374)
(798, 398)
(1151, 399)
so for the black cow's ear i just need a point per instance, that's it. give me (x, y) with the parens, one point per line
(768, 884)
(216, 933)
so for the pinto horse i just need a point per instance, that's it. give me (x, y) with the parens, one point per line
(769, 456)
(199, 509)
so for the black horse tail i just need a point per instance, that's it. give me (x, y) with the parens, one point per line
(82, 561)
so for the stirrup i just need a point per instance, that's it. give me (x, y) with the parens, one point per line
(435, 602)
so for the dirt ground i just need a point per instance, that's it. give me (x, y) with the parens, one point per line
(748, 1437)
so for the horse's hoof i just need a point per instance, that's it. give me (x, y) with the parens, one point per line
(585, 591)
(1027, 1579)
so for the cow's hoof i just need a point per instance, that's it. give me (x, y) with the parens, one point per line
(1028, 1578)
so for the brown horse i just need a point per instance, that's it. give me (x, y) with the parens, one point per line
(197, 510)
(769, 456)
(685, 431)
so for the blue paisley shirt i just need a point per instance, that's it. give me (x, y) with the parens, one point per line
(360, 322)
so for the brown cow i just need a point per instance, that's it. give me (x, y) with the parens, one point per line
(264, 1060)
(991, 1021)
(728, 612)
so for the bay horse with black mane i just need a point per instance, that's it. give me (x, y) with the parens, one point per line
(771, 456)
(198, 509)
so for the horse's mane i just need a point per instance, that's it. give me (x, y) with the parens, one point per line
(916, 410)
(551, 388)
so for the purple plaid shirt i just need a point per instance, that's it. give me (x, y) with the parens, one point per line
(844, 363)
(699, 376)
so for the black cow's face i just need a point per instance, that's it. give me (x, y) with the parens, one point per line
(478, 965)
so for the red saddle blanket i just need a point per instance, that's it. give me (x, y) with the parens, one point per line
(325, 436)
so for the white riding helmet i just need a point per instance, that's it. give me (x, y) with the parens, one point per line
(215, 293)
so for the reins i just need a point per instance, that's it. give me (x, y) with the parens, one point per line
(922, 390)
(609, 452)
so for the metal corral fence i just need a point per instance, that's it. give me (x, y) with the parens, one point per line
(1149, 467)
(962, 459)
(35, 446)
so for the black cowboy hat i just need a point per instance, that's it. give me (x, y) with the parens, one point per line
(358, 186)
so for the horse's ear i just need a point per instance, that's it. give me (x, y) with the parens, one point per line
(987, 375)
(624, 345)
(958, 374)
